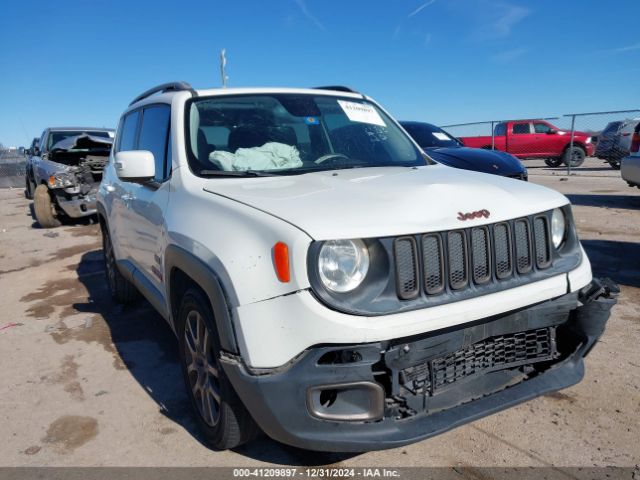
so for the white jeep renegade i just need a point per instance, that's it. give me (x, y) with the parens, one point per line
(327, 281)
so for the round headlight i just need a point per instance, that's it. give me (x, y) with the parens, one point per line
(558, 227)
(343, 264)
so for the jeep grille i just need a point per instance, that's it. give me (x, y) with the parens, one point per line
(469, 258)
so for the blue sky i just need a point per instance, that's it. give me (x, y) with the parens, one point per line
(443, 61)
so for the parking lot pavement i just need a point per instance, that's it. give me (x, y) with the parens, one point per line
(84, 382)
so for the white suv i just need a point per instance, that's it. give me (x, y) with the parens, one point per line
(327, 281)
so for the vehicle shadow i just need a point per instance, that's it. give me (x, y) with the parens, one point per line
(619, 261)
(148, 349)
(627, 202)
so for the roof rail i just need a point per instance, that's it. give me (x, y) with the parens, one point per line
(337, 88)
(165, 87)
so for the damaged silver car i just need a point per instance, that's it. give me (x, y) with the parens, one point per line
(64, 171)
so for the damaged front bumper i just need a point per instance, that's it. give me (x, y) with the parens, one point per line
(387, 394)
(79, 205)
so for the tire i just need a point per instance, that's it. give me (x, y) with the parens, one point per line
(577, 158)
(615, 163)
(122, 290)
(222, 418)
(44, 209)
(553, 162)
(28, 190)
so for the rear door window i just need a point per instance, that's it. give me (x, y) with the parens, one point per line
(521, 128)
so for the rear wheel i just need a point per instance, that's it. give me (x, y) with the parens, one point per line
(553, 162)
(576, 156)
(121, 290)
(28, 190)
(44, 209)
(221, 416)
(615, 163)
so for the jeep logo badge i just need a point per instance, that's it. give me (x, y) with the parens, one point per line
(472, 215)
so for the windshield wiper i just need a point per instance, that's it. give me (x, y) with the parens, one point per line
(235, 173)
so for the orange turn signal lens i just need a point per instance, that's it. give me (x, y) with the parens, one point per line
(281, 261)
(52, 180)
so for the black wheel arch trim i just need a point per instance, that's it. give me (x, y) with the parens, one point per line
(202, 274)
(206, 278)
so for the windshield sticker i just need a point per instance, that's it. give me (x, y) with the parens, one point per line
(440, 136)
(361, 112)
(311, 120)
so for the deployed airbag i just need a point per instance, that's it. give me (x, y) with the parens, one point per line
(270, 156)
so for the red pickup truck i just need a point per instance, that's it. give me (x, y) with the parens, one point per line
(536, 139)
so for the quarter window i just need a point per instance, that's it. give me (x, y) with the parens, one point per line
(153, 136)
(520, 128)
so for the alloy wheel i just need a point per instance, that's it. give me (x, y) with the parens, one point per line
(202, 368)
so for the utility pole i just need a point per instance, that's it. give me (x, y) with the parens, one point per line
(223, 63)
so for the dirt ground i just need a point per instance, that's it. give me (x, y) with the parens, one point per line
(86, 383)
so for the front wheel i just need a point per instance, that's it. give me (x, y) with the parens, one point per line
(44, 209)
(576, 156)
(553, 162)
(220, 414)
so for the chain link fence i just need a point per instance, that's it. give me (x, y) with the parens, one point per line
(564, 141)
(12, 168)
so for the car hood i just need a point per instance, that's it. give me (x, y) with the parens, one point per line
(386, 201)
(487, 161)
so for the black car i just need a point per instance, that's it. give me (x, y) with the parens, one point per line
(448, 150)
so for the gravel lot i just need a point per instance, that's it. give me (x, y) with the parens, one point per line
(84, 382)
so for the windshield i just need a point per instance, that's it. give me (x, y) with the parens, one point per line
(292, 133)
(430, 136)
(58, 136)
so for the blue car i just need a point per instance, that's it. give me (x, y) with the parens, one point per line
(448, 150)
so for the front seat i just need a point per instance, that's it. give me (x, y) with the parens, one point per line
(204, 147)
(247, 137)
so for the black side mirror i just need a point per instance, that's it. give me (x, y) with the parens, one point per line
(552, 131)
(35, 152)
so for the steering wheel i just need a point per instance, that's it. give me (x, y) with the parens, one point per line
(329, 157)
